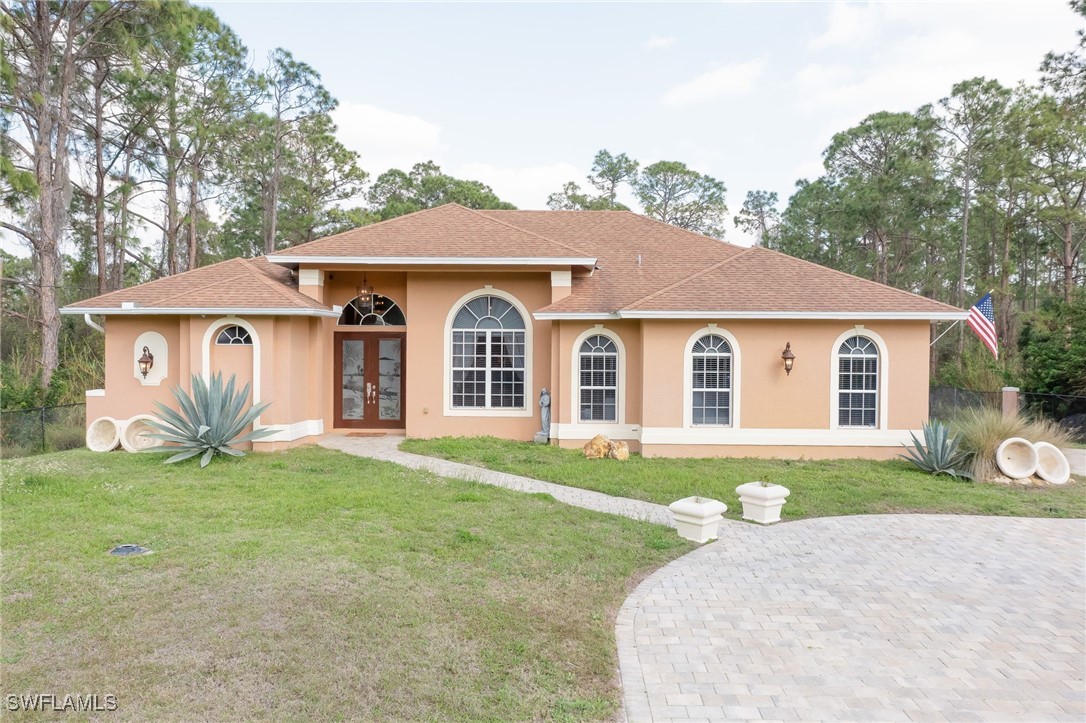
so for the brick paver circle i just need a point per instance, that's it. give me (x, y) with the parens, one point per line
(896, 617)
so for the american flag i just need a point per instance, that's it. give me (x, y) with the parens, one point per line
(982, 321)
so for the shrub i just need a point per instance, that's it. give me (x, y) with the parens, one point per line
(980, 432)
(939, 454)
(210, 421)
(61, 437)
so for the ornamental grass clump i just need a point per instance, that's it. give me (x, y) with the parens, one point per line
(939, 453)
(981, 431)
(209, 422)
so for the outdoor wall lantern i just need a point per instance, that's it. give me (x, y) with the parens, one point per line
(146, 362)
(789, 358)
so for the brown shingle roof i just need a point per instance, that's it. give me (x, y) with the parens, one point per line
(685, 271)
(251, 284)
(442, 232)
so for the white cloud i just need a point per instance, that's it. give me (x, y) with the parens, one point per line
(730, 79)
(386, 139)
(660, 41)
(849, 25)
(525, 187)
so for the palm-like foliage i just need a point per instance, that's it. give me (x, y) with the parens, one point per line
(939, 454)
(209, 421)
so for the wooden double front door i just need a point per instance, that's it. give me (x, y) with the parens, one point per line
(369, 374)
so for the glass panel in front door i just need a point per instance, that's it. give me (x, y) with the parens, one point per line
(389, 379)
(354, 379)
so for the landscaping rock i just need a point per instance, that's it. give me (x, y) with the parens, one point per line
(597, 447)
(619, 451)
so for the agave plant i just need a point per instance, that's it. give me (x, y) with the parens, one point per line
(210, 421)
(939, 454)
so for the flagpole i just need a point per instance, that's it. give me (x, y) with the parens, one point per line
(958, 321)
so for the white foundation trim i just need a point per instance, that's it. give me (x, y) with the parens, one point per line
(291, 432)
(529, 351)
(884, 376)
(575, 378)
(777, 437)
(688, 378)
(209, 339)
(96, 392)
(626, 432)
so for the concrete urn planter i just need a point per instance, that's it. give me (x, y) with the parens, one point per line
(134, 434)
(103, 434)
(762, 503)
(697, 518)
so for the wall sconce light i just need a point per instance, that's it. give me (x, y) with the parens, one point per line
(789, 358)
(146, 362)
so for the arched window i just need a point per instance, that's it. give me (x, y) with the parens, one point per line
(858, 383)
(234, 336)
(711, 381)
(598, 366)
(488, 355)
(378, 311)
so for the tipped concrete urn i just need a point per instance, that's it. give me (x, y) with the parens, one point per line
(1017, 458)
(103, 435)
(762, 503)
(1052, 464)
(135, 435)
(697, 518)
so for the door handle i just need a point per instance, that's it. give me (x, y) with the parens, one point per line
(369, 392)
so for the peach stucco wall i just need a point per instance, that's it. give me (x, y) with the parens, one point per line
(431, 297)
(770, 399)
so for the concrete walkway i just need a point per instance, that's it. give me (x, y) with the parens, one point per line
(386, 449)
(869, 618)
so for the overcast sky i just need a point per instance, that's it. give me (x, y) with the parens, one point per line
(521, 96)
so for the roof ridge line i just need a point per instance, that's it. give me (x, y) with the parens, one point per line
(481, 212)
(707, 269)
(152, 282)
(372, 225)
(287, 293)
(857, 278)
(695, 234)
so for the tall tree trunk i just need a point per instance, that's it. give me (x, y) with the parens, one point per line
(1067, 261)
(120, 235)
(967, 203)
(100, 181)
(194, 183)
(271, 198)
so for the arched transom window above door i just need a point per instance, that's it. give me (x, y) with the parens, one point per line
(377, 310)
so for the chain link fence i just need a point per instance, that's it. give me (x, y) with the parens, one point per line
(943, 402)
(1067, 410)
(24, 432)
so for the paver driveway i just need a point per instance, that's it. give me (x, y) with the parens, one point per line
(897, 617)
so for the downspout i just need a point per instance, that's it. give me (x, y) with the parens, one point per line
(91, 323)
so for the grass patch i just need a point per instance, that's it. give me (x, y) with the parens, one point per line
(818, 488)
(310, 585)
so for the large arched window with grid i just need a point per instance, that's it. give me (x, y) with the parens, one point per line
(488, 355)
(711, 381)
(858, 383)
(598, 368)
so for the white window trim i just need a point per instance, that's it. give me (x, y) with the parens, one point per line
(209, 339)
(529, 406)
(884, 377)
(575, 422)
(688, 378)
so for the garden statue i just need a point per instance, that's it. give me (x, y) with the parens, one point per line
(544, 435)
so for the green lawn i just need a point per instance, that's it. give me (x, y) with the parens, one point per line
(310, 585)
(818, 488)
